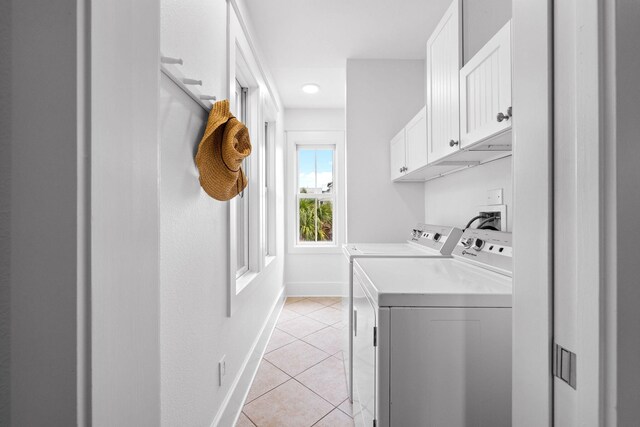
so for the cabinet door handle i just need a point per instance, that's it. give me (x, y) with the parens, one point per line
(355, 322)
(501, 116)
(453, 143)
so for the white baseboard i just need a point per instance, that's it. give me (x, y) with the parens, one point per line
(316, 289)
(232, 404)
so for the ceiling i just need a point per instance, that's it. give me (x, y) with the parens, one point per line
(309, 41)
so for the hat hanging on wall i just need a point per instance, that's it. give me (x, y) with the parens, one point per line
(220, 153)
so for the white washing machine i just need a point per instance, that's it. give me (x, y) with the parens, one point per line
(425, 241)
(432, 337)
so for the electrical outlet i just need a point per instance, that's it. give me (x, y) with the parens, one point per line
(222, 370)
(498, 212)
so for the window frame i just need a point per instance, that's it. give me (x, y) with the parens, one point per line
(242, 114)
(268, 218)
(262, 106)
(316, 139)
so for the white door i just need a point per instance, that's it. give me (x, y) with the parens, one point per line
(443, 90)
(485, 90)
(397, 158)
(416, 141)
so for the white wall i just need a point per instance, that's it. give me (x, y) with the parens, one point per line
(195, 329)
(481, 20)
(382, 96)
(454, 199)
(125, 262)
(197, 33)
(315, 274)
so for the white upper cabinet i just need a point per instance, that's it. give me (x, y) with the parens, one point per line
(398, 156)
(444, 56)
(416, 141)
(485, 91)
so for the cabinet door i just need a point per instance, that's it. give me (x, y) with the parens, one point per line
(443, 90)
(485, 90)
(397, 158)
(416, 141)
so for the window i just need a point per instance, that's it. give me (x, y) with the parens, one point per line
(315, 194)
(315, 191)
(266, 180)
(242, 201)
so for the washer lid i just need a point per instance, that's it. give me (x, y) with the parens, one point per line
(423, 282)
(386, 250)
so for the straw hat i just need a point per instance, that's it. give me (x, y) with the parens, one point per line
(224, 144)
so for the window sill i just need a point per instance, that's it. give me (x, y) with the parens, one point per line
(333, 249)
(268, 260)
(245, 280)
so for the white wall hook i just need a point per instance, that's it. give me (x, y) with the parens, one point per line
(169, 60)
(192, 82)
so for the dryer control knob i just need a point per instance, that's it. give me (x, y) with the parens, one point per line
(478, 244)
(467, 242)
(437, 236)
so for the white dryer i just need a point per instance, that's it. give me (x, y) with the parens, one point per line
(432, 337)
(425, 241)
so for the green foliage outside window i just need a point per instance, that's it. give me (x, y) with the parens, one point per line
(316, 220)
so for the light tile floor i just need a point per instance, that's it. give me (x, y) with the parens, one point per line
(301, 380)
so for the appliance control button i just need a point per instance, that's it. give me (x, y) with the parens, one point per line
(467, 242)
(436, 236)
(478, 244)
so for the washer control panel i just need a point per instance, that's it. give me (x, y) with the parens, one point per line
(488, 248)
(437, 237)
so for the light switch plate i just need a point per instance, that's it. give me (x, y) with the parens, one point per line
(494, 197)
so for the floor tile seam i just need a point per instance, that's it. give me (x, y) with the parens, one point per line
(346, 400)
(249, 418)
(318, 330)
(324, 351)
(325, 323)
(325, 416)
(271, 389)
(315, 364)
(277, 348)
(320, 396)
(320, 361)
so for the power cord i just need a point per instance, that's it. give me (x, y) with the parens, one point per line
(489, 219)
(476, 218)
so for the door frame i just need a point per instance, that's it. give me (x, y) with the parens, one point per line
(532, 90)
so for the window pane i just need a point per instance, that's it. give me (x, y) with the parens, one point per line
(325, 220)
(306, 170)
(240, 237)
(307, 208)
(316, 220)
(315, 170)
(324, 169)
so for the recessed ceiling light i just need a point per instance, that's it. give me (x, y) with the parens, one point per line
(310, 88)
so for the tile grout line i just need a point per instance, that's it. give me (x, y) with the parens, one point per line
(333, 406)
(249, 418)
(259, 396)
(293, 377)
